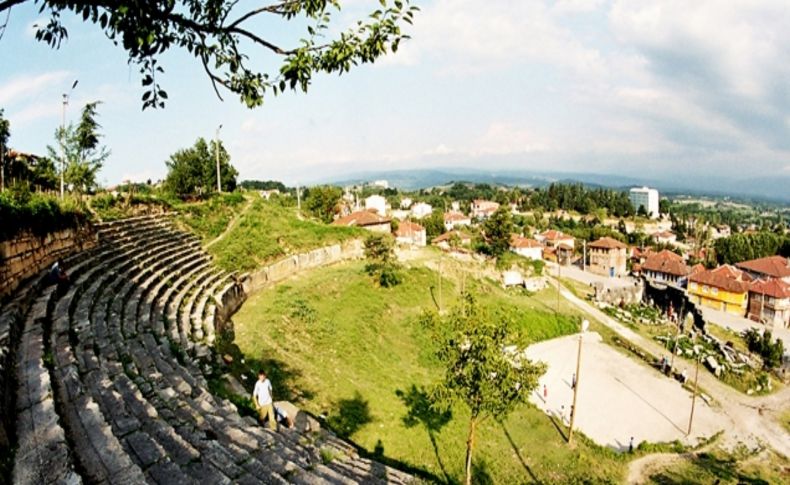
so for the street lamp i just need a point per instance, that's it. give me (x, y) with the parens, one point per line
(62, 133)
(216, 143)
(585, 326)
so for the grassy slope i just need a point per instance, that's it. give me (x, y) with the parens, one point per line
(269, 230)
(718, 466)
(344, 348)
(209, 218)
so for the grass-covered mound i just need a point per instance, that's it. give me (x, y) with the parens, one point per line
(343, 347)
(271, 229)
(22, 210)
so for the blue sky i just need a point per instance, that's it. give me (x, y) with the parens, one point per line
(661, 88)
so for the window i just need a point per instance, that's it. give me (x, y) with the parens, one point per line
(715, 291)
(705, 289)
(693, 286)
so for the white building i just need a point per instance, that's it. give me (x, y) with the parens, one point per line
(643, 196)
(421, 209)
(453, 219)
(380, 183)
(411, 234)
(376, 202)
(405, 203)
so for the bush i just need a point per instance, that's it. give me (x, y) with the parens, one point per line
(21, 210)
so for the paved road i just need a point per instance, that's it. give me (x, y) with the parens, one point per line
(587, 278)
(746, 419)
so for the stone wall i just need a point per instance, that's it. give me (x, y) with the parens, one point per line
(28, 254)
(617, 295)
(293, 264)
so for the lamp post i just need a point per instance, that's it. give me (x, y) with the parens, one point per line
(585, 326)
(62, 133)
(216, 146)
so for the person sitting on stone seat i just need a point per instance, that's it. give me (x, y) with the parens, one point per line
(57, 274)
(262, 399)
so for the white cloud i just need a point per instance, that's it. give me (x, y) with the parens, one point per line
(24, 87)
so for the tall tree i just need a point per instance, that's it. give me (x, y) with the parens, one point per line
(382, 261)
(227, 39)
(323, 201)
(497, 230)
(478, 372)
(5, 135)
(193, 171)
(84, 157)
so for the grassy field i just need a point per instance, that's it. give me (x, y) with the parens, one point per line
(343, 348)
(208, 219)
(269, 230)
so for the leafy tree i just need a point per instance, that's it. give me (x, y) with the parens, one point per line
(382, 262)
(80, 149)
(622, 227)
(497, 231)
(664, 206)
(434, 224)
(263, 185)
(641, 212)
(5, 135)
(761, 344)
(742, 247)
(193, 171)
(478, 372)
(322, 202)
(226, 39)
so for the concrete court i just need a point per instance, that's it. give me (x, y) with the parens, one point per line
(618, 398)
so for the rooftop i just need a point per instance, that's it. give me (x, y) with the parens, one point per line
(608, 243)
(773, 266)
(725, 277)
(361, 219)
(771, 287)
(666, 262)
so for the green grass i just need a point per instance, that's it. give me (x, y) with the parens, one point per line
(269, 230)
(341, 347)
(579, 290)
(719, 466)
(209, 218)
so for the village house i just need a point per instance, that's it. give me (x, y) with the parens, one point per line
(452, 239)
(421, 210)
(369, 220)
(526, 247)
(454, 219)
(378, 203)
(405, 203)
(552, 239)
(725, 288)
(562, 254)
(665, 237)
(411, 234)
(608, 257)
(777, 267)
(482, 209)
(769, 302)
(267, 194)
(666, 267)
(720, 231)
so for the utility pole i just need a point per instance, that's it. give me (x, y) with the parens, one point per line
(440, 283)
(62, 133)
(298, 199)
(694, 396)
(559, 265)
(574, 410)
(584, 255)
(216, 146)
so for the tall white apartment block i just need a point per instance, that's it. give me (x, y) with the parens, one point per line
(643, 196)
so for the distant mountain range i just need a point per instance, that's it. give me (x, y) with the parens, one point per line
(768, 189)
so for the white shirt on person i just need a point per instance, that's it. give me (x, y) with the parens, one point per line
(263, 392)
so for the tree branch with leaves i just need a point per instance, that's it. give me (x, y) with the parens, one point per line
(217, 33)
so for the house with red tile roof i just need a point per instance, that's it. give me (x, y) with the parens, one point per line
(482, 209)
(769, 267)
(445, 241)
(411, 234)
(725, 288)
(664, 237)
(608, 257)
(526, 247)
(553, 238)
(769, 302)
(453, 219)
(666, 267)
(365, 219)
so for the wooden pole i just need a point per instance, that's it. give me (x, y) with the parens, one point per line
(559, 266)
(575, 390)
(677, 335)
(694, 396)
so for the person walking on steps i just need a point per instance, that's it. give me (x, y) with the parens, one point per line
(262, 399)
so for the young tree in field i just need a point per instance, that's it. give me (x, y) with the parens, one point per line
(193, 171)
(382, 262)
(83, 155)
(479, 373)
(322, 202)
(434, 224)
(226, 38)
(497, 231)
